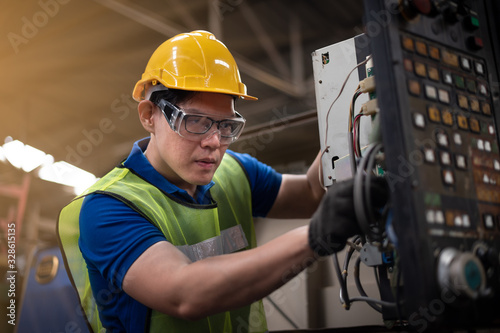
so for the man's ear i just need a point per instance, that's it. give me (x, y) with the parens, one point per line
(146, 111)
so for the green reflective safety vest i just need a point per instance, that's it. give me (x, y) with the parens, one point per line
(199, 231)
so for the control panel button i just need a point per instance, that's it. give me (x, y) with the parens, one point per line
(462, 122)
(433, 73)
(480, 144)
(434, 114)
(439, 217)
(445, 158)
(408, 44)
(448, 177)
(496, 165)
(489, 221)
(460, 162)
(457, 138)
(487, 146)
(444, 96)
(471, 22)
(459, 81)
(408, 65)
(434, 53)
(466, 221)
(431, 92)
(474, 125)
(486, 108)
(414, 87)
(463, 101)
(474, 105)
(449, 58)
(442, 139)
(447, 78)
(447, 117)
(475, 43)
(471, 86)
(421, 48)
(420, 69)
(491, 129)
(465, 64)
(429, 155)
(483, 89)
(479, 68)
(419, 120)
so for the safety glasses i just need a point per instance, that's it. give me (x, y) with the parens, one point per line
(197, 127)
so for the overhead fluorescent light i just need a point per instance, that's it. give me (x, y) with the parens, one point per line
(28, 158)
(67, 174)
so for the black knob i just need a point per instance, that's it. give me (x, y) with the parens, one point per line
(412, 8)
(450, 13)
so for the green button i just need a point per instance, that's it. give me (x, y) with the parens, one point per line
(474, 21)
(432, 199)
(459, 82)
(471, 22)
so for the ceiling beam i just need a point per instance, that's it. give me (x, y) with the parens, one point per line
(215, 18)
(265, 41)
(159, 24)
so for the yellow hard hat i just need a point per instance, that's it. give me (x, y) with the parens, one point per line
(195, 61)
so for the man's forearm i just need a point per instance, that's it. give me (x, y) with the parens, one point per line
(224, 282)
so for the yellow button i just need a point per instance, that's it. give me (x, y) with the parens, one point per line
(450, 58)
(421, 48)
(463, 102)
(462, 122)
(486, 108)
(474, 105)
(447, 117)
(433, 73)
(434, 53)
(408, 44)
(414, 87)
(434, 114)
(474, 125)
(420, 69)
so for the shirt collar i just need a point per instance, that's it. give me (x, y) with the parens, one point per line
(138, 162)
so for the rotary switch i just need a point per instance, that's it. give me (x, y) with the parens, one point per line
(461, 272)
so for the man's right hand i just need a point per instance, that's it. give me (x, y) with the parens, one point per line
(335, 219)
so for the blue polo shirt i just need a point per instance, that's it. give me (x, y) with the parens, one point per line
(113, 236)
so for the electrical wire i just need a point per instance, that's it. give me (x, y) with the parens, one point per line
(344, 295)
(373, 300)
(356, 135)
(360, 288)
(362, 199)
(335, 100)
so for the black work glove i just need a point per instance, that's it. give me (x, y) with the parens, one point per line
(335, 219)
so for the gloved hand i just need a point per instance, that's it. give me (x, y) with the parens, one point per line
(335, 219)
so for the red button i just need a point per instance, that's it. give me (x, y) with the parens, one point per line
(475, 43)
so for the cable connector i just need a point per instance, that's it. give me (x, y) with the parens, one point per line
(367, 85)
(370, 108)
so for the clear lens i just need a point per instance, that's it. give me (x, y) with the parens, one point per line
(196, 127)
(201, 124)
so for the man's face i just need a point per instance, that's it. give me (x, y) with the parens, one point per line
(188, 163)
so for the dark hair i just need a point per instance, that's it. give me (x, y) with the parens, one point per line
(174, 96)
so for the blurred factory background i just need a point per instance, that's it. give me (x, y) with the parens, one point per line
(67, 71)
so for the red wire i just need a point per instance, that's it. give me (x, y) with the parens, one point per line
(356, 150)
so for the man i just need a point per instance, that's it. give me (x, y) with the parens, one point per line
(161, 236)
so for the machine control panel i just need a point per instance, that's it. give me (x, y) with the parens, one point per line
(437, 76)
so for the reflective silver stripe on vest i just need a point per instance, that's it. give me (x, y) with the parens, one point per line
(229, 240)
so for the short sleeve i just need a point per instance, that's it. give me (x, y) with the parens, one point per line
(264, 181)
(113, 236)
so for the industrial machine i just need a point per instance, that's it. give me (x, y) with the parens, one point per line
(427, 77)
